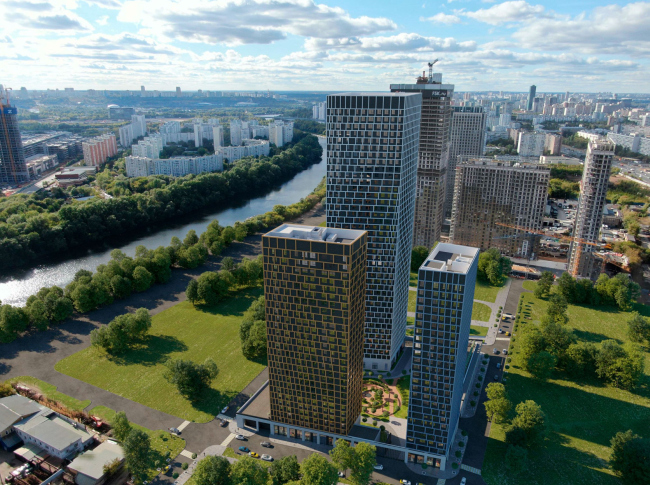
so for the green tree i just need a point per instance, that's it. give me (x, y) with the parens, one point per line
(190, 378)
(566, 286)
(498, 404)
(630, 458)
(228, 263)
(531, 420)
(13, 320)
(316, 470)
(418, 256)
(621, 366)
(285, 470)
(248, 471)
(192, 291)
(37, 312)
(121, 426)
(137, 450)
(365, 459)
(544, 284)
(557, 309)
(343, 455)
(120, 286)
(638, 328)
(516, 459)
(493, 267)
(142, 279)
(580, 359)
(541, 365)
(190, 239)
(212, 470)
(557, 337)
(532, 342)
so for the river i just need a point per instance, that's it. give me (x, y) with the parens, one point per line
(16, 287)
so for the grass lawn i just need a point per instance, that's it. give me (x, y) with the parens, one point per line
(478, 331)
(530, 285)
(486, 292)
(582, 416)
(412, 297)
(180, 332)
(481, 312)
(162, 442)
(403, 386)
(413, 280)
(409, 332)
(49, 391)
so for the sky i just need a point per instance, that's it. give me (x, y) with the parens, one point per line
(302, 45)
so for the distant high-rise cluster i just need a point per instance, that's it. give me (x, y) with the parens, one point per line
(372, 150)
(319, 111)
(13, 169)
(133, 131)
(589, 216)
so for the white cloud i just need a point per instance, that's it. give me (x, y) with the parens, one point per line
(236, 22)
(102, 20)
(54, 16)
(395, 43)
(442, 18)
(513, 11)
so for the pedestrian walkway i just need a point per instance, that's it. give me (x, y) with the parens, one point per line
(470, 469)
(186, 453)
(183, 425)
(441, 481)
(227, 441)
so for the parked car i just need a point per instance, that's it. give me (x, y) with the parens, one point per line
(266, 444)
(498, 365)
(342, 474)
(224, 423)
(463, 481)
(505, 351)
(240, 437)
(224, 410)
(495, 351)
(244, 449)
(378, 466)
(496, 377)
(507, 334)
(253, 454)
(267, 457)
(176, 431)
(405, 482)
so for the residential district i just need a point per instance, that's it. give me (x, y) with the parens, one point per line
(462, 301)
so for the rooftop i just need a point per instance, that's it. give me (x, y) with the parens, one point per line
(451, 258)
(52, 430)
(91, 463)
(314, 233)
(14, 408)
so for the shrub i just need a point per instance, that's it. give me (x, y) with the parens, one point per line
(184, 466)
(461, 444)
(479, 378)
(403, 371)
(365, 420)
(374, 423)
(463, 433)
(496, 325)
(482, 369)
(478, 385)
(193, 456)
(175, 475)
(508, 360)
(472, 403)
(458, 454)
(476, 393)
(382, 427)
(454, 465)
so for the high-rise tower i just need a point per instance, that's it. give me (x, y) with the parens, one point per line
(314, 286)
(433, 155)
(445, 298)
(531, 97)
(467, 139)
(589, 216)
(372, 150)
(13, 169)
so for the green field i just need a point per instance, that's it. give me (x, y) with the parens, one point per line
(162, 442)
(412, 297)
(413, 280)
(481, 312)
(403, 386)
(478, 331)
(529, 285)
(180, 332)
(582, 416)
(486, 292)
(49, 391)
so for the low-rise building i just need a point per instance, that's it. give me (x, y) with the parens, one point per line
(38, 164)
(69, 177)
(88, 468)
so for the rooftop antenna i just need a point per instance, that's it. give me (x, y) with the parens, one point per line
(431, 69)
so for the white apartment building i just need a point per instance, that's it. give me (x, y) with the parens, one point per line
(251, 148)
(98, 149)
(634, 142)
(170, 127)
(217, 136)
(531, 144)
(204, 130)
(260, 130)
(319, 111)
(134, 130)
(236, 129)
(150, 147)
(175, 167)
(553, 143)
(589, 135)
(281, 132)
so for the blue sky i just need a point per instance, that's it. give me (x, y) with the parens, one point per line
(579, 45)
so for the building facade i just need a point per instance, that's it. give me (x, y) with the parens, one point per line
(589, 216)
(314, 288)
(98, 149)
(634, 142)
(138, 166)
(553, 144)
(489, 193)
(531, 97)
(372, 152)
(445, 299)
(433, 156)
(467, 139)
(13, 168)
(531, 144)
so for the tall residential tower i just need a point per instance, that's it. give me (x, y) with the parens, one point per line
(314, 286)
(372, 150)
(433, 155)
(531, 97)
(589, 216)
(13, 169)
(445, 298)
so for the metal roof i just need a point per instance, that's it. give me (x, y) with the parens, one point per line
(91, 463)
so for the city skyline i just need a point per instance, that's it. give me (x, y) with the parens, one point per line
(594, 46)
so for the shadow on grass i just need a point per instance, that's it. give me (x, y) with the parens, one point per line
(593, 337)
(155, 350)
(235, 305)
(213, 401)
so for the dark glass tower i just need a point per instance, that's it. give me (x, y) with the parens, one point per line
(13, 169)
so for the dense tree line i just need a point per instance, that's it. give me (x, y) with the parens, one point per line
(33, 235)
(630, 458)
(310, 126)
(252, 331)
(123, 275)
(492, 267)
(619, 291)
(122, 332)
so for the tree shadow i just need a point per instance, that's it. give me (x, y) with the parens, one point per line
(236, 305)
(155, 350)
(592, 336)
(212, 401)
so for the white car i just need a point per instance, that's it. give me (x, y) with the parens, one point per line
(463, 481)
(240, 437)
(405, 482)
(266, 457)
(224, 410)
(378, 466)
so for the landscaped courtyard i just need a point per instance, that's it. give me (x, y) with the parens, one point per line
(180, 332)
(380, 400)
(582, 416)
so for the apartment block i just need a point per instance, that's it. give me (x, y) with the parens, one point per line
(553, 144)
(589, 216)
(491, 197)
(319, 111)
(133, 131)
(139, 166)
(433, 155)
(445, 299)
(13, 168)
(467, 139)
(281, 132)
(150, 146)
(372, 153)
(98, 149)
(238, 131)
(314, 286)
(250, 148)
(531, 144)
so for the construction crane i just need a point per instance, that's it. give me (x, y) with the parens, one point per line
(431, 69)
